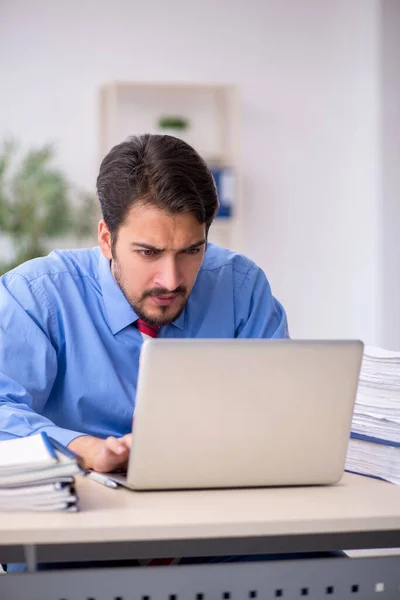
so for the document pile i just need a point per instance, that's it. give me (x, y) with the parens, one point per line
(374, 447)
(35, 476)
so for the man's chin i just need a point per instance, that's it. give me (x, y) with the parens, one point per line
(160, 316)
(161, 319)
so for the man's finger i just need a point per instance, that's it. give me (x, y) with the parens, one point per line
(126, 440)
(116, 446)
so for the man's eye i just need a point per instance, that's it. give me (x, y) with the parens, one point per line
(193, 251)
(146, 252)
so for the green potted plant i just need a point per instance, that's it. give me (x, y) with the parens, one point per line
(37, 203)
(172, 125)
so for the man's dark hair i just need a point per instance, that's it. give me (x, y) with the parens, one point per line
(160, 170)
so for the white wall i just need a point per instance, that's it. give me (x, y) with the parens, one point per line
(390, 86)
(310, 78)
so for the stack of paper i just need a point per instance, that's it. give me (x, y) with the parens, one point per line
(374, 447)
(36, 476)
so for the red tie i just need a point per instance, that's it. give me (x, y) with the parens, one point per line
(146, 328)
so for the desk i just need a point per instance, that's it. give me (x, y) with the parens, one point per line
(357, 513)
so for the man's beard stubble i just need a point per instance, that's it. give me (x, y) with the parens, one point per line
(137, 304)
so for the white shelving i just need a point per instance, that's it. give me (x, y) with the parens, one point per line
(212, 111)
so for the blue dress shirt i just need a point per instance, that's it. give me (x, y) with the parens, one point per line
(69, 353)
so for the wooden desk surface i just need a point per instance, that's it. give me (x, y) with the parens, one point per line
(355, 504)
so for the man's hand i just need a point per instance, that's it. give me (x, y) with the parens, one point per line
(102, 455)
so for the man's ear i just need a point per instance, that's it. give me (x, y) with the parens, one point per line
(104, 239)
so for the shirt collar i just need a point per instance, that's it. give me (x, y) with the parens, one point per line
(119, 312)
(180, 321)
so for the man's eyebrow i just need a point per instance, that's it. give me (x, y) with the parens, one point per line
(196, 245)
(155, 249)
(146, 246)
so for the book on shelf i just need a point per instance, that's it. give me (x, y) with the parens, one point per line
(224, 182)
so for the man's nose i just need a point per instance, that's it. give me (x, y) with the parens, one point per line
(169, 276)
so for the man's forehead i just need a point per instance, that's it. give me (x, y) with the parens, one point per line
(148, 225)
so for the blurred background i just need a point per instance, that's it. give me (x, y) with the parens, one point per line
(293, 103)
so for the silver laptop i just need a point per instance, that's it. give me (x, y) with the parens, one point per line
(242, 413)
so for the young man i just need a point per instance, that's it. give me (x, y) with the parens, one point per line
(72, 323)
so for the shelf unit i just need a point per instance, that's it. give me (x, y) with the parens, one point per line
(131, 108)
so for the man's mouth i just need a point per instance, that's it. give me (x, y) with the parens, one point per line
(164, 299)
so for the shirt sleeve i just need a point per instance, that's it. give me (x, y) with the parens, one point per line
(260, 315)
(28, 361)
